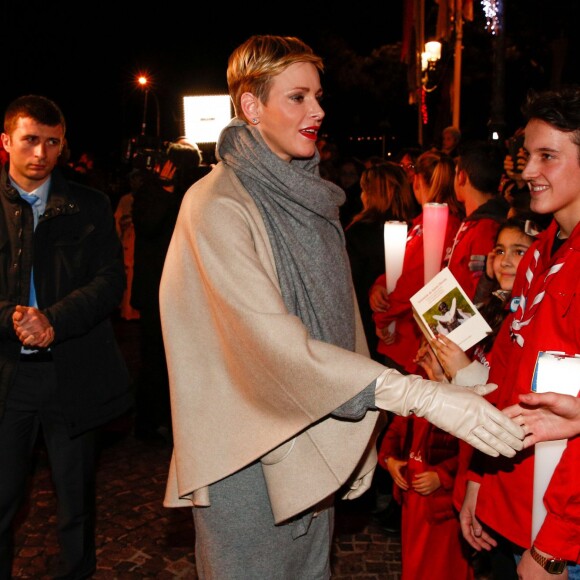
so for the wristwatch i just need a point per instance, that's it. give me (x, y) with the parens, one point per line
(550, 565)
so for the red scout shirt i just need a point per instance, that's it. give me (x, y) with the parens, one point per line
(474, 240)
(506, 493)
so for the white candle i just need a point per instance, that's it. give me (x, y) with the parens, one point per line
(395, 234)
(395, 242)
(434, 228)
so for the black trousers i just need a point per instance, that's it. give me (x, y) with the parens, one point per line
(152, 393)
(33, 403)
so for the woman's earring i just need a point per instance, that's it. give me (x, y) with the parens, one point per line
(255, 120)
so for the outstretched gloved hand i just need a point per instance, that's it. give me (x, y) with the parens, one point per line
(461, 411)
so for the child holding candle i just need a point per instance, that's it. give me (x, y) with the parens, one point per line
(433, 182)
(386, 195)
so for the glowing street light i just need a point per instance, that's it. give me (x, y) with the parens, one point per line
(429, 59)
(142, 80)
(144, 83)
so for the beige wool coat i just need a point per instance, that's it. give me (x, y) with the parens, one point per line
(247, 381)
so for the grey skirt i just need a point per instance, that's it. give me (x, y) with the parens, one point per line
(236, 538)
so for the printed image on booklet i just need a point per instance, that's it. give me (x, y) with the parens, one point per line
(442, 307)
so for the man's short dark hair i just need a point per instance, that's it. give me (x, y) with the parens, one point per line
(37, 107)
(560, 108)
(482, 161)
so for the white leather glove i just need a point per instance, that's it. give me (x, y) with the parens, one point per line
(460, 411)
(358, 487)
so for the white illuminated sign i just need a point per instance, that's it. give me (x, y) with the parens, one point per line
(205, 116)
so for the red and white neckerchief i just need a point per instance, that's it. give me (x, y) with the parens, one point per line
(465, 225)
(415, 231)
(522, 317)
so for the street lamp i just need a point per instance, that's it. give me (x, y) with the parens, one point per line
(429, 59)
(144, 82)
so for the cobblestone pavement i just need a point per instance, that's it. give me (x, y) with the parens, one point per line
(137, 538)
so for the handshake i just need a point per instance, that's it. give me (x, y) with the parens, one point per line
(461, 411)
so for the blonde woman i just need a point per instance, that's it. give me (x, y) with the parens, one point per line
(274, 397)
(386, 195)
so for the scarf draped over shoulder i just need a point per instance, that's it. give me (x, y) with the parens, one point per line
(300, 212)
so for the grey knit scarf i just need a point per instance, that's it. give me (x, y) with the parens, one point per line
(300, 212)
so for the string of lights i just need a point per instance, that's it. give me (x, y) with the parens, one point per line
(493, 11)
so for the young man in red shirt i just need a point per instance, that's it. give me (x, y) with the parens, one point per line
(497, 510)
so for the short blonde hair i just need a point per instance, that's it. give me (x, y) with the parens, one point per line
(254, 63)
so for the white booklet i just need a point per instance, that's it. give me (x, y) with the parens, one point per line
(442, 307)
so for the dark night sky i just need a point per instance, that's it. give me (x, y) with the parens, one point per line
(86, 57)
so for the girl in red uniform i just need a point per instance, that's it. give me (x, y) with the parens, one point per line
(423, 461)
(433, 182)
(467, 368)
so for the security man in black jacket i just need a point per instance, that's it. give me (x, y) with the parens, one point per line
(61, 370)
